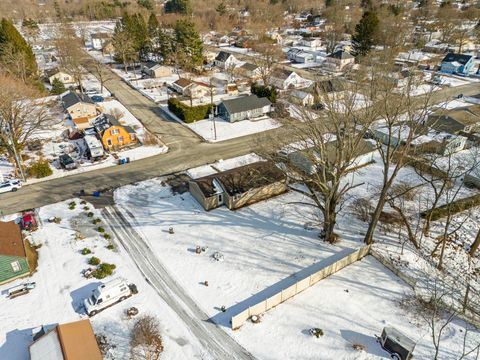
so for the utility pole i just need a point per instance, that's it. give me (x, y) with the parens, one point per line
(213, 112)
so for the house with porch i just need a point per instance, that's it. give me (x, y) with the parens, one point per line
(225, 60)
(13, 256)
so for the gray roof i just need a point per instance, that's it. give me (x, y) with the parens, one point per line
(245, 103)
(340, 54)
(150, 64)
(460, 58)
(399, 338)
(223, 56)
(249, 67)
(73, 98)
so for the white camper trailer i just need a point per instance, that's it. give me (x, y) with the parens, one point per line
(95, 147)
(108, 294)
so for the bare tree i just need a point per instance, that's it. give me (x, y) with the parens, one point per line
(269, 54)
(100, 71)
(21, 115)
(145, 339)
(475, 245)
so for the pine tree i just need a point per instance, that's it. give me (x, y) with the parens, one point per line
(366, 32)
(178, 6)
(189, 43)
(57, 87)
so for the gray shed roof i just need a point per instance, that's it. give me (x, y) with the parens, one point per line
(73, 98)
(245, 103)
(401, 339)
(223, 56)
(340, 54)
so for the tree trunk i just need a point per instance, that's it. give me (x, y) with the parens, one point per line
(475, 244)
(375, 217)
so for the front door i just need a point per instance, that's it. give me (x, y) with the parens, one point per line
(220, 199)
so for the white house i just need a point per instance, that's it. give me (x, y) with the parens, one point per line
(156, 70)
(285, 79)
(60, 75)
(301, 97)
(339, 59)
(99, 39)
(299, 56)
(312, 43)
(225, 60)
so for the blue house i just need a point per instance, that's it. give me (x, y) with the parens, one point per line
(460, 64)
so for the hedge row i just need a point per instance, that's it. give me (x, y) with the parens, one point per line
(187, 113)
(454, 207)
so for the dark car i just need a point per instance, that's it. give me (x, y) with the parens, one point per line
(67, 162)
(97, 98)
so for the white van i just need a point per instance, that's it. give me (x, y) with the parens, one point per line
(94, 146)
(108, 294)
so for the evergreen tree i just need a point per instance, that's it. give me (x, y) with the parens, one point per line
(189, 43)
(221, 8)
(166, 42)
(178, 6)
(153, 32)
(147, 4)
(14, 46)
(57, 87)
(366, 32)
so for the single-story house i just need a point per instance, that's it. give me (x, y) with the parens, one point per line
(439, 143)
(70, 341)
(339, 59)
(460, 64)
(60, 75)
(299, 56)
(309, 159)
(301, 98)
(286, 79)
(239, 187)
(456, 121)
(99, 39)
(80, 107)
(181, 85)
(112, 133)
(251, 71)
(395, 137)
(13, 256)
(155, 70)
(313, 43)
(242, 108)
(225, 60)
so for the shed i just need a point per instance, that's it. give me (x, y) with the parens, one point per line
(397, 344)
(13, 257)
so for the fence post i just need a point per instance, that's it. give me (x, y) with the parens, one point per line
(465, 299)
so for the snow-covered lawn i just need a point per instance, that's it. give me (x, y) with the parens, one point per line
(61, 288)
(226, 130)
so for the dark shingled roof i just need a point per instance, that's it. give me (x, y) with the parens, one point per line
(455, 120)
(245, 103)
(461, 58)
(73, 98)
(240, 180)
(340, 54)
(222, 56)
(249, 67)
(11, 241)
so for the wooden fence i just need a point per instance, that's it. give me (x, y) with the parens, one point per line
(299, 286)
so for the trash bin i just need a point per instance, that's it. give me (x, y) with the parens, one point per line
(96, 193)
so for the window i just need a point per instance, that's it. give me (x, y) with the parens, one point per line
(15, 266)
(120, 139)
(109, 142)
(114, 132)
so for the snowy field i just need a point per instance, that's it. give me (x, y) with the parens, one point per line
(61, 288)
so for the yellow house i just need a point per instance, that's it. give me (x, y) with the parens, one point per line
(113, 134)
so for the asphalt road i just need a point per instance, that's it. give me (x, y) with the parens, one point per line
(186, 151)
(214, 340)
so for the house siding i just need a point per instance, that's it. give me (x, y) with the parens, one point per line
(6, 271)
(115, 139)
(255, 195)
(207, 203)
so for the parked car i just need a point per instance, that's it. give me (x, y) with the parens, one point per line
(97, 98)
(67, 162)
(398, 345)
(108, 294)
(11, 185)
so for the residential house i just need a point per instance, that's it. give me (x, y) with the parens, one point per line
(70, 341)
(13, 257)
(301, 98)
(60, 75)
(99, 39)
(181, 85)
(225, 60)
(464, 120)
(394, 137)
(242, 108)
(299, 56)
(339, 59)
(239, 187)
(251, 71)
(439, 143)
(313, 43)
(113, 134)
(80, 108)
(310, 160)
(460, 64)
(155, 70)
(286, 79)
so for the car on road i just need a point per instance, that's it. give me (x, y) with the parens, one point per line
(10, 185)
(67, 162)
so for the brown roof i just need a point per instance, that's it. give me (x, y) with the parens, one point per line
(240, 180)
(78, 341)
(11, 241)
(80, 120)
(183, 82)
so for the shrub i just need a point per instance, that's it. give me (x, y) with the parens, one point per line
(94, 261)
(83, 202)
(86, 251)
(96, 221)
(103, 270)
(90, 214)
(72, 205)
(100, 229)
(269, 92)
(39, 169)
(110, 247)
(57, 87)
(145, 338)
(107, 236)
(86, 208)
(187, 113)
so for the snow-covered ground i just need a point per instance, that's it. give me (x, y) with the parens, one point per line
(61, 288)
(223, 165)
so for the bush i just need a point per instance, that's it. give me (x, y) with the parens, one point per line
(100, 229)
(90, 214)
(187, 113)
(103, 270)
(96, 221)
(94, 261)
(86, 208)
(269, 92)
(107, 236)
(72, 205)
(57, 87)
(39, 169)
(110, 247)
(145, 338)
(83, 202)
(86, 251)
